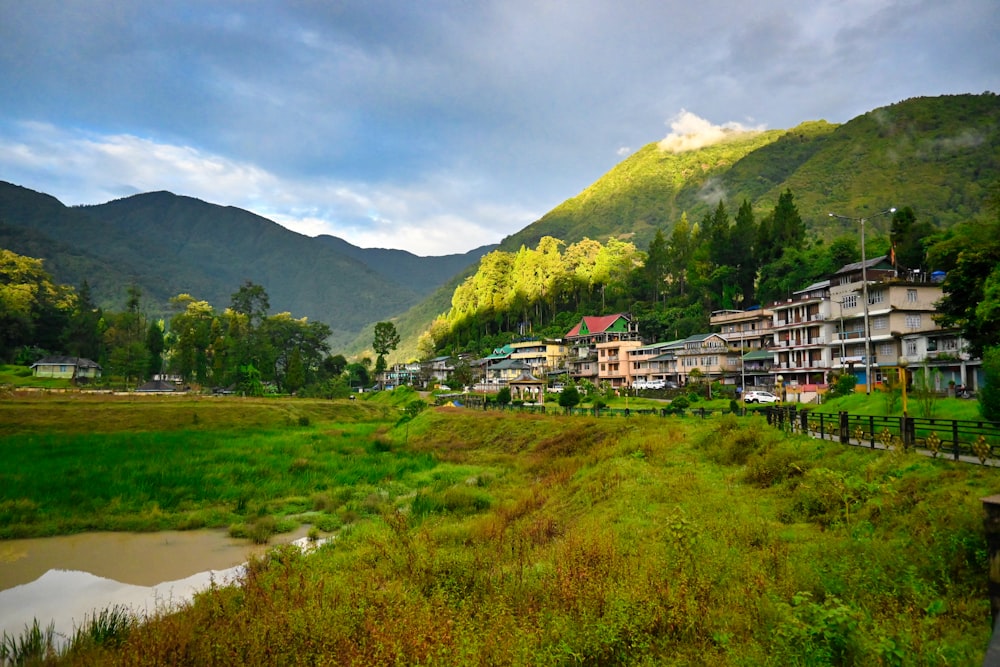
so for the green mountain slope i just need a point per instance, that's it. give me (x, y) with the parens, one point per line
(167, 244)
(934, 154)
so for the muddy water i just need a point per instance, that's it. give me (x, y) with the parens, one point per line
(64, 579)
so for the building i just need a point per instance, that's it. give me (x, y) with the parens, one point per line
(541, 356)
(614, 363)
(750, 331)
(897, 308)
(706, 356)
(801, 331)
(70, 368)
(582, 340)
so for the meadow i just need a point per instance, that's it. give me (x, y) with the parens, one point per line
(470, 537)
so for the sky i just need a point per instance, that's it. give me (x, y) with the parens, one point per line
(438, 126)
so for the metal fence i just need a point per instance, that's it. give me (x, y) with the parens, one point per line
(960, 439)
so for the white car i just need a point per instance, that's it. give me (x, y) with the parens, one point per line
(759, 397)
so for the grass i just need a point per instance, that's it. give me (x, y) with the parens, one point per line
(528, 539)
(144, 469)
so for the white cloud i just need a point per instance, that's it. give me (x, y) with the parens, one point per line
(690, 132)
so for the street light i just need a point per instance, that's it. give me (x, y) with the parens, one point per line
(903, 363)
(864, 292)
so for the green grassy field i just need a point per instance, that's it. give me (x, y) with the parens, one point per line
(471, 537)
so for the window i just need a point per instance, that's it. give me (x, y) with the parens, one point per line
(911, 296)
(885, 349)
(911, 348)
(913, 321)
(876, 296)
(851, 301)
(880, 322)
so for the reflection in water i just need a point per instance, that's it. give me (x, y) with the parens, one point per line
(65, 579)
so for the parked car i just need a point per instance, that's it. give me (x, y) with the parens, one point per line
(759, 397)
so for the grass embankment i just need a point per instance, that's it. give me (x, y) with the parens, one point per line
(564, 540)
(881, 404)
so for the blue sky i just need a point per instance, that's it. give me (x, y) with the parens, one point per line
(437, 126)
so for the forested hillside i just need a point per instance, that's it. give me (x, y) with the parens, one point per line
(166, 245)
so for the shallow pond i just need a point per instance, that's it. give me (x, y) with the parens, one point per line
(65, 579)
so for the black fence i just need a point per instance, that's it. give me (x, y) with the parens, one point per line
(959, 439)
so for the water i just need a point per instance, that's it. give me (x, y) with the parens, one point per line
(66, 579)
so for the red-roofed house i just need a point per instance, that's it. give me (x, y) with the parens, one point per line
(585, 336)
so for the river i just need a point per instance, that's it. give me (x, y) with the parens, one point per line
(65, 579)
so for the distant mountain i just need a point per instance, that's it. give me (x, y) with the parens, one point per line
(423, 274)
(168, 244)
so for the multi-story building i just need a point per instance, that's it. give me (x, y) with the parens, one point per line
(583, 339)
(709, 355)
(541, 356)
(646, 364)
(870, 338)
(801, 333)
(751, 332)
(614, 364)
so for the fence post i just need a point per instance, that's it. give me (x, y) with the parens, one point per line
(871, 430)
(991, 523)
(904, 431)
(804, 421)
(844, 427)
(954, 438)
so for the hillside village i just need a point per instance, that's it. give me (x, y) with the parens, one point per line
(796, 346)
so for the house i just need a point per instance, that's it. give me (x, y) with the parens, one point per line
(585, 336)
(71, 368)
(708, 354)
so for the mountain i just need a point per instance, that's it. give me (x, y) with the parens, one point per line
(168, 244)
(934, 154)
(424, 274)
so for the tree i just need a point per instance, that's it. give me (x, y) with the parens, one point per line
(970, 257)
(251, 300)
(989, 394)
(503, 396)
(742, 238)
(82, 336)
(155, 347)
(656, 267)
(128, 356)
(386, 340)
(569, 398)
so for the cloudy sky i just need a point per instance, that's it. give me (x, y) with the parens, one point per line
(437, 126)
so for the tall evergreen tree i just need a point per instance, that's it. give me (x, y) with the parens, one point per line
(742, 239)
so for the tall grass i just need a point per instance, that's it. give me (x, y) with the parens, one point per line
(521, 539)
(61, 482)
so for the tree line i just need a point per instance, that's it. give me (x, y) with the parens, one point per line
(243, 348)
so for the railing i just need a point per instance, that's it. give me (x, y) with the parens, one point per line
(961, 439)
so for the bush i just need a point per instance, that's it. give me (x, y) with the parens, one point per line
(989, 395)
(680, 403)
